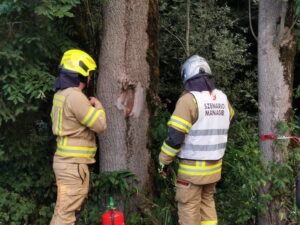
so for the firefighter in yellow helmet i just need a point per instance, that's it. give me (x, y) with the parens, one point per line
(197, 135)
(75, 120)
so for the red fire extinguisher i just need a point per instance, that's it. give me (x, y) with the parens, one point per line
(112, 217)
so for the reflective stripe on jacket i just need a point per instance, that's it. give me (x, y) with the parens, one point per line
(200, 169)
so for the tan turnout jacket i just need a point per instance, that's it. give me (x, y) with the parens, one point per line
(75, 122)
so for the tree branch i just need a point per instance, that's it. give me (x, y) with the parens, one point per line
(180, 41)
(250, 20)
(282, 19)
(287, 33)
(187, 34)
(281, 31)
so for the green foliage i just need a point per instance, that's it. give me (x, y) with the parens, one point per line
(297, 92)
(214, 34)
(297, 7)
(33, 36)
(242, 176)
(31, 45)
(57, 9)
(26, 183)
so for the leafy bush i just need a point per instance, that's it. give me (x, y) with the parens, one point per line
(27, 182)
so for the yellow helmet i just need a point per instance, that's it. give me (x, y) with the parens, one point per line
(78, 61)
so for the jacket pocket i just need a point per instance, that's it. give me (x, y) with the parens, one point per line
(183, 191)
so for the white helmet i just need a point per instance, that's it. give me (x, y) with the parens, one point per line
(193, 66)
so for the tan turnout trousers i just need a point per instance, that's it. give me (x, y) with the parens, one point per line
(196, 203)
(72, 180)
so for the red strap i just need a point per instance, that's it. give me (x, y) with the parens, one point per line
(268, 137)
(274, 136)
(296, 139)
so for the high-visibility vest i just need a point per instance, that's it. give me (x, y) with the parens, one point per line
(207, 137)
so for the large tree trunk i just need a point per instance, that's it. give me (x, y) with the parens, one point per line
(128, 56)
(276, 51)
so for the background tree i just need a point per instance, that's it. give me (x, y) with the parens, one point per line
(276, 52)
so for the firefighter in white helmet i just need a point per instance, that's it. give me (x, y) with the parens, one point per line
(75, 120)
(197, 135)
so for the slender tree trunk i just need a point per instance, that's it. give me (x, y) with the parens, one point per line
(128, 55)
(276, 51)
(187, 33)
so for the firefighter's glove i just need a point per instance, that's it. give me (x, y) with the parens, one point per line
(162, 170)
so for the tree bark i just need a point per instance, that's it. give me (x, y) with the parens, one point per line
(276, 51)
(123, 83)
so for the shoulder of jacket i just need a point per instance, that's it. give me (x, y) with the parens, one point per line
(75, 94)
(186, 97)
(187, 100)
